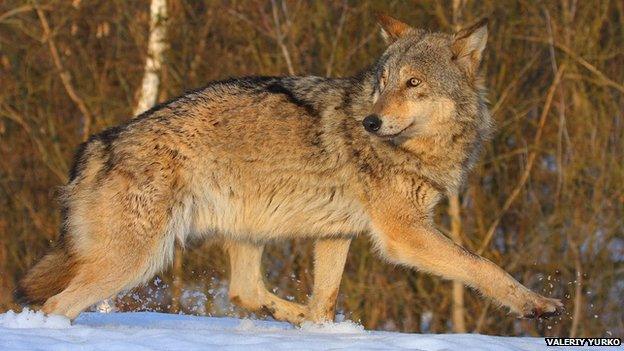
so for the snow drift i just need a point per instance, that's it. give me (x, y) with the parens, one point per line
(30, 330)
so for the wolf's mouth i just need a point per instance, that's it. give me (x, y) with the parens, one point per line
(394, 135)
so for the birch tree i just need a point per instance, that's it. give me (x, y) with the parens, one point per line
(156, 47)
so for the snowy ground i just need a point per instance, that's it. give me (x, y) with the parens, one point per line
(156, 331)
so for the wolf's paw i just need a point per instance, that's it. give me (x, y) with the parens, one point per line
(542, 307)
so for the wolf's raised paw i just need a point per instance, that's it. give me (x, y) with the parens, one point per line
(543, 307)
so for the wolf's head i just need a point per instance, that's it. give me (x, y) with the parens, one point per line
(428, 83)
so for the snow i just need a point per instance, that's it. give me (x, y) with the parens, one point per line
(30, 320)
(141, 331)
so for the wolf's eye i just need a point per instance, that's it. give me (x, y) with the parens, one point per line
(413, 82)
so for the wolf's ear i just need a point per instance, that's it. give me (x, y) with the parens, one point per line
(468, 45)
(391, 28)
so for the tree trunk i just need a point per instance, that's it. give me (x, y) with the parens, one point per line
(155, 50)
(458, 309)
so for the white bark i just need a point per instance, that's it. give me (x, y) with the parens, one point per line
(155, 49)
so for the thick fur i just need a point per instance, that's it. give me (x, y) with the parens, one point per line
(258, 159)
(47, 278)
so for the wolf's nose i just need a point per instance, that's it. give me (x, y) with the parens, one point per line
(372, 123)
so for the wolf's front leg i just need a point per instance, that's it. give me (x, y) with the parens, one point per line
(329, 260)
(406, 240)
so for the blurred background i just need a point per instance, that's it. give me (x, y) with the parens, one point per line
(546, 201)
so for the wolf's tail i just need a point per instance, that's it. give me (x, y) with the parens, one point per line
(48, 277)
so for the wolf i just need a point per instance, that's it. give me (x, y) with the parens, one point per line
(260, 159)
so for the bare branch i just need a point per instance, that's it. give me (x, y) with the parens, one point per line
(530, 160)
(578, 289)
(330, 62)
(15, 11)
(87, 117)
(280, 39)
(583, 62)
(13, 115)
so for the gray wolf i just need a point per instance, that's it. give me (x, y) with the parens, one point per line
(261, 159)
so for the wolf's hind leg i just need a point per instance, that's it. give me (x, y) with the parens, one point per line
(93, 283)
(247, 287)
(111, 264)
(330, 256)
(107, 270)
